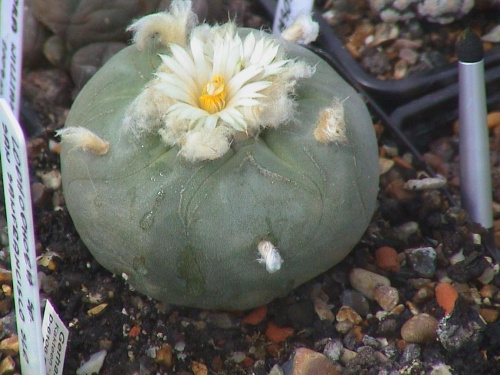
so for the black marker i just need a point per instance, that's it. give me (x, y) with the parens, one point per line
(475, 170)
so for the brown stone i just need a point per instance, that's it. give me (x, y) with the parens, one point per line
(489, 315)
(164, 355)
(420, 329)
(386, 296)
(7, 366)
(309, 362)
(10, 346)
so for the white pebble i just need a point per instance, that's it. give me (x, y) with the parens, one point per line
(426, 183)
(366, 282)
(93, 365)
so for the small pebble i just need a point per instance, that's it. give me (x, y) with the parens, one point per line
(356, 300)
(423, 261)
(52, 179)
(309, 362)
(221, 320)
(488, 274)
(385, 165)
(400, 69)
(409, 55)
(423, 294)
(93, 365)
(489, 291)
(493, 36)
(238, 357)
(410, 353)
(386, 296)
(7, 366)
(97, 309)
(322, 310)
(276, 370)
(334, 349)
(426, 183)
(278, 334)
(346, 313)
(404, 231)
(446, 296)
(420, 329)
(384, 32)
(256, 316)
(462, 329)
(6, 306)
(199, 368)
(371, 342)
(440, 369)
(489, 315)
(387, 259)
(164, 355)
(39, 194)
(347, 356)
(396, 189)
(10, 346)
(390, 351)
(365, 281)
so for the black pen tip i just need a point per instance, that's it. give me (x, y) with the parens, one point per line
(469, 47)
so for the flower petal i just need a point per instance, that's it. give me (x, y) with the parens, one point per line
(242, 77)
(179, 70)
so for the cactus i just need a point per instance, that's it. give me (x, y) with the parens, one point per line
(272, 207)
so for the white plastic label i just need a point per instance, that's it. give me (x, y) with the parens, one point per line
(21, 242)
(11, 52)
(55, 340)
(287, 11)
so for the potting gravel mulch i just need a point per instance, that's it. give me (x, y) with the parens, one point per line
(435, 310)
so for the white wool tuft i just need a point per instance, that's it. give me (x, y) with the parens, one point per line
(304, 30)
(331, 126)
(84, 139)
(161, 29)
(145, 114)
(204, 144)
(269, 256)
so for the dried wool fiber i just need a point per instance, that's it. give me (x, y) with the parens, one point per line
(161, 29)
(269, 256)
(330, 126)
(84, 139)
(303, 30)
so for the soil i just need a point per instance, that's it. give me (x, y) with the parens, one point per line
(143, 336)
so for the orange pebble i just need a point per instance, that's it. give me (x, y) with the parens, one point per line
(134, 331)
(255, 316)
(164, 355)
(387, 259)
(278, 334)
(402, 162)
(247, 362)
(446, 296)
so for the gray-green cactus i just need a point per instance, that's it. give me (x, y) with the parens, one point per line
(278, 207)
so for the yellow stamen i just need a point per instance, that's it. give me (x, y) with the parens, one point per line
(213, 98)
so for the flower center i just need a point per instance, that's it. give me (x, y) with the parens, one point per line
(213, 98)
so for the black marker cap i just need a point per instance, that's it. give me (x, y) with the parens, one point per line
(469, 47)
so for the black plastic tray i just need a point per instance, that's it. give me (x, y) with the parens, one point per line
(430, 116)
(390, 93)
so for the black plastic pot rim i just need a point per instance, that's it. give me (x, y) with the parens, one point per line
(388, 93)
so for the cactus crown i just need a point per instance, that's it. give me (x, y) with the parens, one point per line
(213, 86)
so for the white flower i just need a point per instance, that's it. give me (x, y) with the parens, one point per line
(220, 80)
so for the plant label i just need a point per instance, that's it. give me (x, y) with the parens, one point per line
(11, 52)
(287, 11)
(55, 340)
(21, 242)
